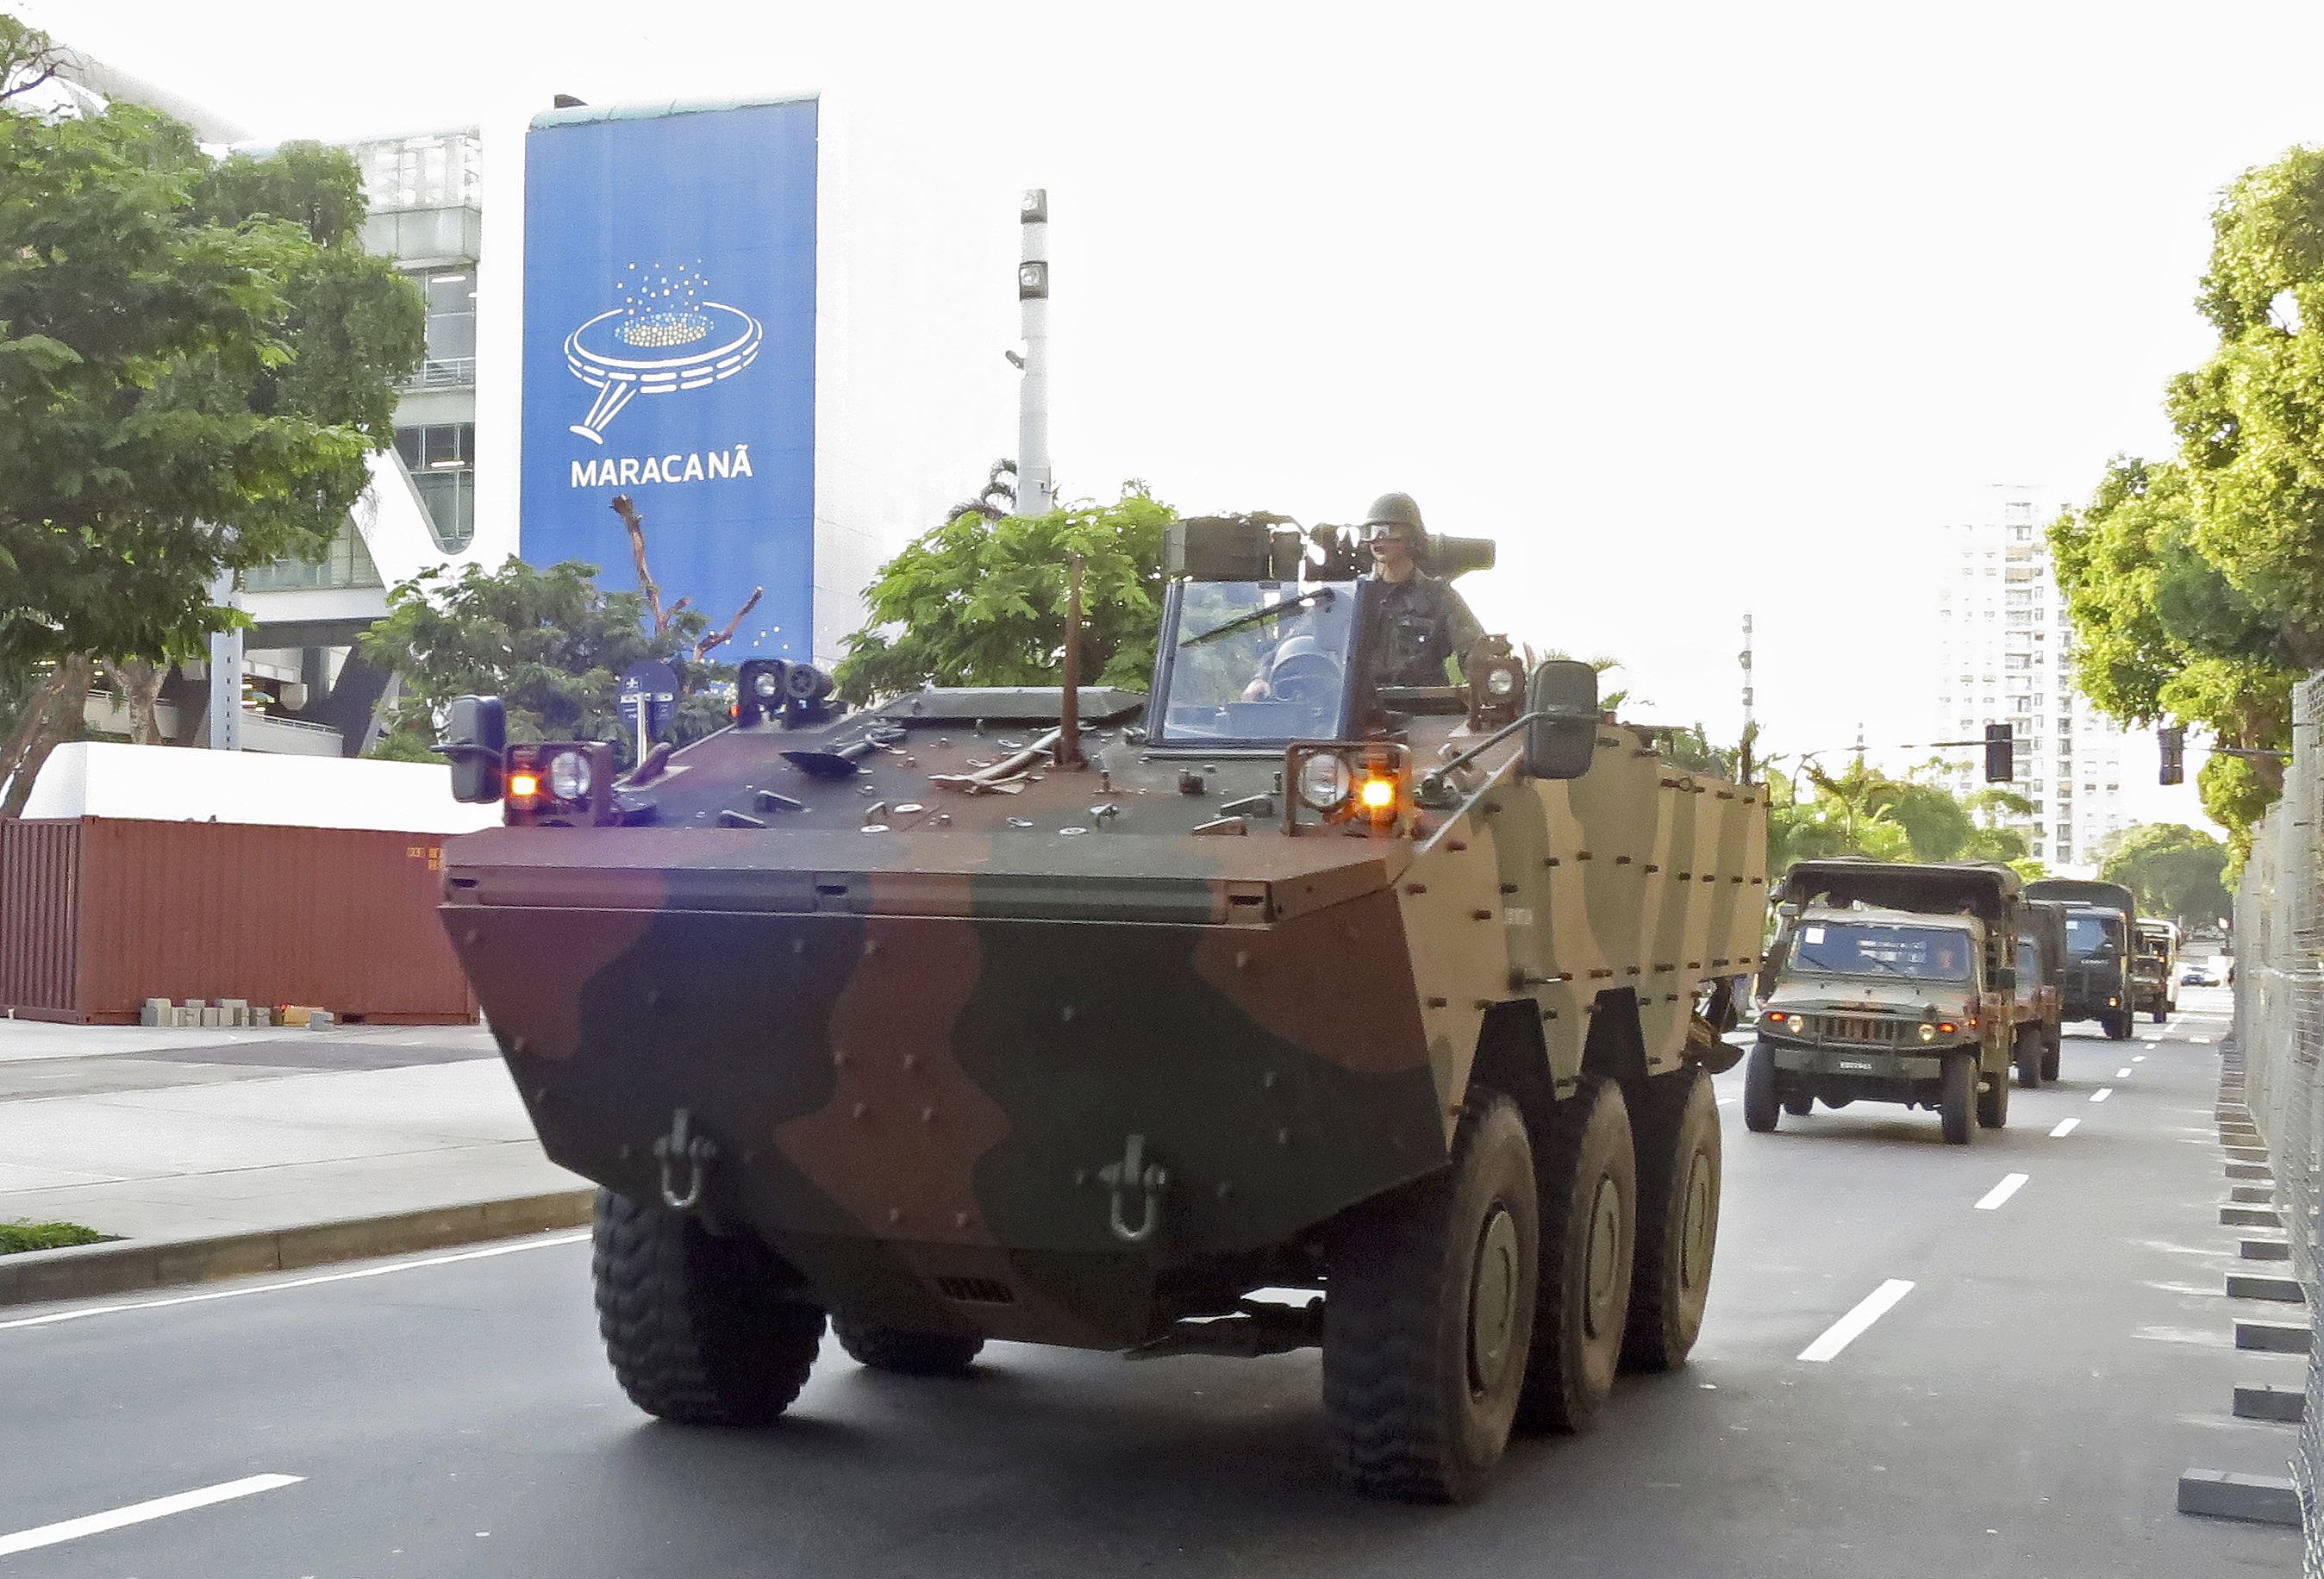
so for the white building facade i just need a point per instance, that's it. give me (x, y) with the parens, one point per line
(2005, 654)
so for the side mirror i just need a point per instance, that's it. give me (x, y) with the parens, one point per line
(1562, 732)
(475, 741)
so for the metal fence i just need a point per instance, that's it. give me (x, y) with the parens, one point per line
(2279, 953)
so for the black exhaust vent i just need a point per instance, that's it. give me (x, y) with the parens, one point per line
(975, 1291)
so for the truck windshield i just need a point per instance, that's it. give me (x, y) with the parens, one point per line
(1927, 953)
(1255, 662)
(2089, 937)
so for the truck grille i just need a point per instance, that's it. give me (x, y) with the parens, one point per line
(1861, 1030)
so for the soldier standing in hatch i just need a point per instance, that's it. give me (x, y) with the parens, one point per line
(1420, 621)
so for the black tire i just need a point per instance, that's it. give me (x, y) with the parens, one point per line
(907, 1354)
(697, 1324)
(1589, 1243)
(1799, 1104)
(1760, 1104)
(2030, 1056)
(2118, 1026)
(2052, 1052)
(2161, 1015)
(1993, 1102)
(1958, 1096)
(1420, 1385)
(1674, 1134)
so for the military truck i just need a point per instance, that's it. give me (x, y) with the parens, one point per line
(1893, 981)
(2044, 920)
(1077, 1016)
(2154, 968)
(2099, 915)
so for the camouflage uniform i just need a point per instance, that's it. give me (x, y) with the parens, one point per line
(1421, 623)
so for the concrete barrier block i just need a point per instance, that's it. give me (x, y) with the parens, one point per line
(2283, 1404)
(2250, 1217)
(2249, 1170)
(261, 1017)
(2264, 1250)
(2262, 1286)
(320, 1019)
(2272, 1337)
(2251, 1193)
(2209, 1493)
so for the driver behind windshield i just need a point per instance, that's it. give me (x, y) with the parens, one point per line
(1419, 621)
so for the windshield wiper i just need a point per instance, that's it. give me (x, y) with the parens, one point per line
(1320, 597)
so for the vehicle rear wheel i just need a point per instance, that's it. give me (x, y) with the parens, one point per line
(1958, 1097)
(1674, 1136)
(1430, 1315)
(2161, 1015)
(697, 1325)
(1760, 1101)
(1589, 1239)
(2051, 1051)
(1993, 1102)
(1799, 1104)
(2030, 1056)
(2118, 1026)
(907, 1354)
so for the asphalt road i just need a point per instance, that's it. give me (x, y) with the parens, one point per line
(2024, 1408)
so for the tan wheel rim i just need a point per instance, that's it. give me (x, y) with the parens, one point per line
(1493, 1300)
(1698, 1219)
(1604, 1258)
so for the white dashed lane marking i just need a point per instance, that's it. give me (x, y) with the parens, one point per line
(49, 1535)
(2138, 1059)
(2122, 1074)
(2206, 1040)
(2001, 1191)
(1849, 1327)
(2065, 1128)
(2101, 1093)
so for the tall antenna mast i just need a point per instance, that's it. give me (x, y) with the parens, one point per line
(1036, 489)
(1749, 730)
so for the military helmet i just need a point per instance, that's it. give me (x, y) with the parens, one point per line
(1398, 511)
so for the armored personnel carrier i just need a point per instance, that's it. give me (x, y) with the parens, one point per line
(1270, 1009)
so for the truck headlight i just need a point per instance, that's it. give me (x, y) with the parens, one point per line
(1324, 783)
(766, 687)
(568, 776)
(1501, 684)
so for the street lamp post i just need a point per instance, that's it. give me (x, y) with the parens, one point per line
(1036, 489)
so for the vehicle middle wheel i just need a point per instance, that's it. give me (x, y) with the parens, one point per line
(1588, 1237)
(701, 1328)
(1958, 1096)
(1993, 1102)
(1799, 1104)
(1430, 1316)
(1760, 1104)
(1674, 1134)
(907, 1354)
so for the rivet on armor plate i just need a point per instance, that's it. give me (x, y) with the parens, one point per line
(928, 1115)
(911, 1061)
(1242, 959)
(468, 934)
(518, 1045)
(653, 997)
(1283, 1137)
(1456, 846)
(895, 1216)
(1066, 1014)
(1267, 1082)
(1081, 1179)
(870, 946)
(625, 1153)
(1415, 888)
(1508, 888)
(960, 1219)
(1480, 915)
(862, 1110)
(798, 946)
(1437, 1003)
(839, 1058)
(1223, 1190)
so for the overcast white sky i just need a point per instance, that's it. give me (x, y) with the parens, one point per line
(1695, 308)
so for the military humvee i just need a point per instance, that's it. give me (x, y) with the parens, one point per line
(1893, 981)
(2099, 916)
(2154, 969)
(1075, 1016)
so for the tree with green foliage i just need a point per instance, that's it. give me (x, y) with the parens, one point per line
(980, 601)
(2197, 585)
(196, 359)
(2177, 872)
(1812, 814)
(550, 643)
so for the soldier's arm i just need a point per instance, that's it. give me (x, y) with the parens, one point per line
(1461, 627)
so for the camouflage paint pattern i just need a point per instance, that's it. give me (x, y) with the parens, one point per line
(917, 1031)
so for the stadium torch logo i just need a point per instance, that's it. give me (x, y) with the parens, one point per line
(666, 335)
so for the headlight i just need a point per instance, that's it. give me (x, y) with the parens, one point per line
(1501, 684)
(1324, 783)
(568, 776)
(766, 687)
(1928, 1032)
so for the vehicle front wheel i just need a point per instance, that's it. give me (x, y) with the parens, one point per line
(702, 1328)
(2030, 1056)
(1430, 1316)
(1589, 1239)
(2161, 1015)
(1760, 1104)
(1674, 1133)
(1993, 1102)
(1958, 1097)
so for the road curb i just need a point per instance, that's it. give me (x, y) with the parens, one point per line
(128, 1266)
(2252, 1499)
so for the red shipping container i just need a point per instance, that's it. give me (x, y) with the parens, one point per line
(99, 914)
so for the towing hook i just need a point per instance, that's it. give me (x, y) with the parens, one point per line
(1133, 1172)
(695, 1153)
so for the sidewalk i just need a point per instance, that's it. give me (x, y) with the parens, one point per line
(201, 1133)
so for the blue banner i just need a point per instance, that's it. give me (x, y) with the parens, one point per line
(669, 302)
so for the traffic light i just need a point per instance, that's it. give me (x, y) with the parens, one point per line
(2173, 739)
(2000, 753)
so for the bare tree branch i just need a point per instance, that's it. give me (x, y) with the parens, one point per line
(720, 638)
(636, 524)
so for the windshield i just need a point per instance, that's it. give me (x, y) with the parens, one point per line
(1282, 675)
(1924, 953)
(2088, 936)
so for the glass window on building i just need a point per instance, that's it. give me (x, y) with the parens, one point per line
(345, 563)
(451, 328)
(442, 461)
